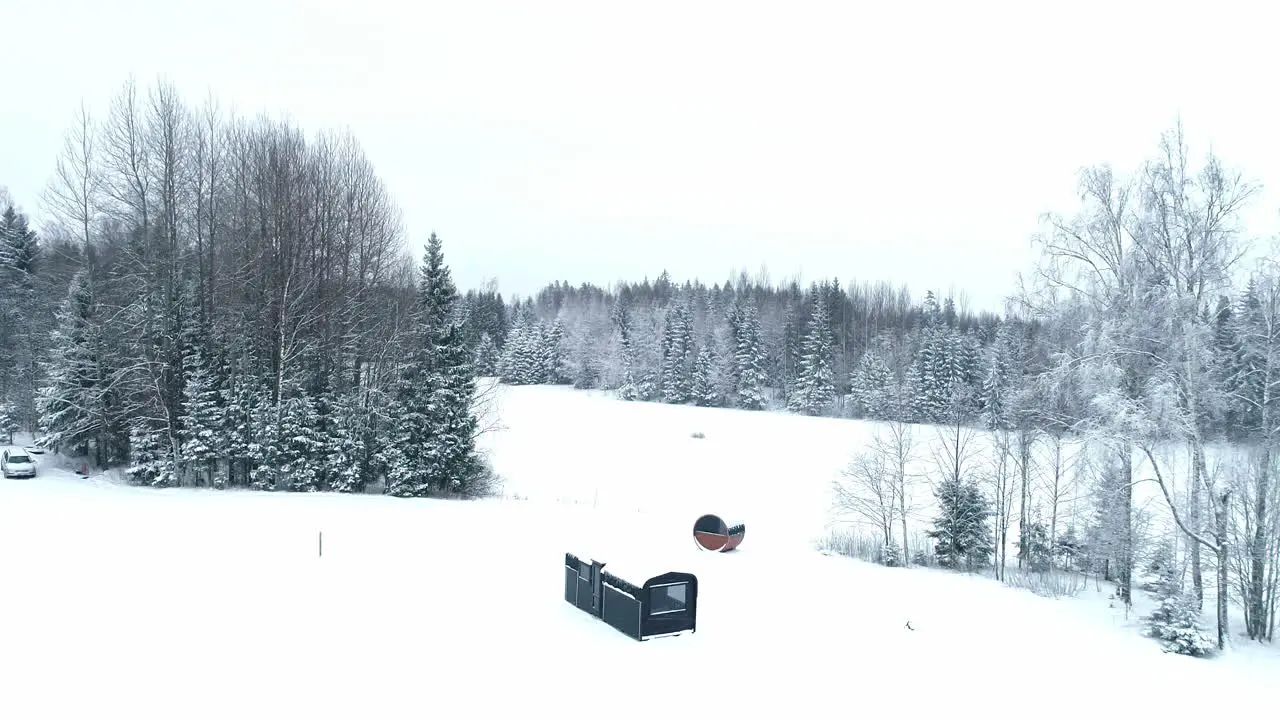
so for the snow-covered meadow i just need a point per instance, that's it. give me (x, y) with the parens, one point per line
(144, 603)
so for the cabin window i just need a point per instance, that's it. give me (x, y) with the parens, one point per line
(669, 598)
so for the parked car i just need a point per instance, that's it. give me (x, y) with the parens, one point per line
(17, 464)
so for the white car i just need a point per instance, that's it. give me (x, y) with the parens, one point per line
(17, 464)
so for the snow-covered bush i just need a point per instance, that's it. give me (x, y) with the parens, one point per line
(1176, 623)
(890, 554)
(1047, 583)
(8, 421)
(852, 544)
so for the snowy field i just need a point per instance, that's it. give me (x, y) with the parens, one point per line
(129, 602)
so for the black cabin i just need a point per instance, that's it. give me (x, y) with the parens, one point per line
(665, 604)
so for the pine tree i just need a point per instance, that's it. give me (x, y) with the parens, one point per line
(553, 354)
(486, 356)
(1068, 550)
(434, 446)
(22, 342)
(345, 449)
(677, 355)
(263, 431)
(152, 457)
(8, 420)
(531, 352)
(71, 405)
(19, 251)
(239, 398)
(872, 386)
(960, 529)
(705, 390)
(944, 364)
(1033, 547)
(1176, 622)
(815, 382)
(203, 439)
(294, 454)
(620, 319)
(996, 384)
(750, 360)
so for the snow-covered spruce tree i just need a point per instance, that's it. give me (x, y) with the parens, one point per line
(678, 354)
(71, 405)
(345, 451)
(1176, 622)
(724, 365)
(152, 457)
(623, 354)
(263, 431)
(553, 355)
(931, 370)
(8, 421)
(296, 451)
(434, 441)
(530, 355)
(785, 350)
(645, 345)
(486, 356)
(240, 400)
(993, 400)
(22, 336)
(1161, 566)
(513, 361)
(533, 354)
(203, 436)
(1033, 547)
(705, 391)
(749, 356)
(960, 530)
(587, 345)
(814, 388)
(890, 554)
(1069, 551)
(873, 386)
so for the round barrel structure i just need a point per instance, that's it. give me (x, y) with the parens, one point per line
(712, 533)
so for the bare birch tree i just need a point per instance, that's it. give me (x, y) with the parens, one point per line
(75, 193)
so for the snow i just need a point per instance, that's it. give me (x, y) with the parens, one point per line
(117, 600)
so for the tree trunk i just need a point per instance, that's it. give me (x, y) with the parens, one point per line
(1124, 571)
(1197, 573)
(1053, 500)
(902, 514)
(1024, 477)
(1223, 575)
(1256, 617)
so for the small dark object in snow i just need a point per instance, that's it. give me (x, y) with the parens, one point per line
(698, 436)
(909, 626)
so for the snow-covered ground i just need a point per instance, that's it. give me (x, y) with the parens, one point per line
(129, 602)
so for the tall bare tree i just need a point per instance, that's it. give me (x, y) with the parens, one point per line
(75, 193)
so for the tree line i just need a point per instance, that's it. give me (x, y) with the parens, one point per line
(227, 302)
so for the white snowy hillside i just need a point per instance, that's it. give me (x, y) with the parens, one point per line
(120, 601)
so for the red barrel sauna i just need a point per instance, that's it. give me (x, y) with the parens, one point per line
(712, 533)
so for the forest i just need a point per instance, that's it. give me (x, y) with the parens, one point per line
(210, 299)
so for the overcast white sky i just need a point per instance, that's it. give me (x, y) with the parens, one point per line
(578, 141)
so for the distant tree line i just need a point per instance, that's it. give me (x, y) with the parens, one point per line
(1134, 339)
